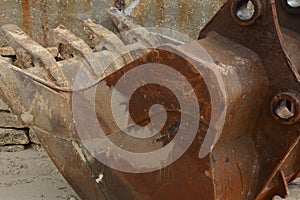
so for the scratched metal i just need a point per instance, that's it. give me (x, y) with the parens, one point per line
(257, 73)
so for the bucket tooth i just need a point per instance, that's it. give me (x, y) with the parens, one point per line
(132, 32)
(100, 35)
(30, 54)
(97, 64)
(122, 22)
(104, 39)
(71, 46)
(68, 44)
(7, 51)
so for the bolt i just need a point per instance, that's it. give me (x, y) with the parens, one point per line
(285, 109)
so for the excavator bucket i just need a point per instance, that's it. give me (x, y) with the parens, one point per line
(145, 115)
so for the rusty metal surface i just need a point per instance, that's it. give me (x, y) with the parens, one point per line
(37, 17)
(252, 156)
(281, 70)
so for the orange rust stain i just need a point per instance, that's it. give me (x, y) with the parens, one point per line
(44, 18)
(26, 14)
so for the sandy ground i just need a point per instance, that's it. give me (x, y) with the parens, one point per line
(30, 175)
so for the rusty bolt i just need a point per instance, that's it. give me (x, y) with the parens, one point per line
(291, 6)
(285, 107)
(246, 12)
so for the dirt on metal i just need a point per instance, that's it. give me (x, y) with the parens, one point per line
(254, 155)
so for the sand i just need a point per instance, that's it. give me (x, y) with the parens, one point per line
(30, 175)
